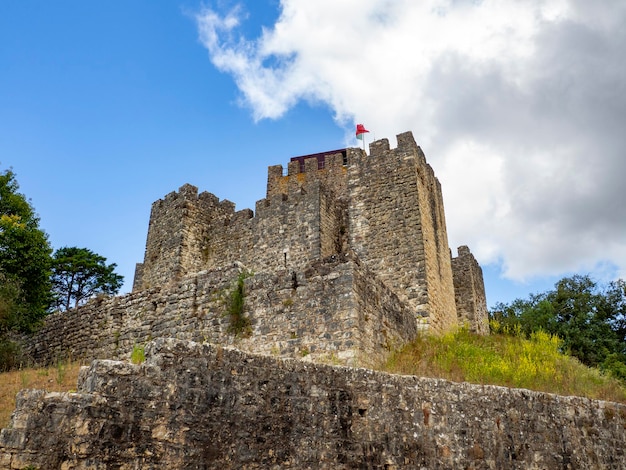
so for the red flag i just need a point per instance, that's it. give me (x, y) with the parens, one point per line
(360, 130)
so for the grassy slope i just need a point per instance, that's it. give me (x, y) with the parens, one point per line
(55, 379)
(509, 361)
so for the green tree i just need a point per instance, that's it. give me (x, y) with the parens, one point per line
(24, 260)
(589, 318)
(79, 274)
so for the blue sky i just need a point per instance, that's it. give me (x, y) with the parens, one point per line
(106, 107)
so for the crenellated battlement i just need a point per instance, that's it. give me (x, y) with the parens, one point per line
(330, 168)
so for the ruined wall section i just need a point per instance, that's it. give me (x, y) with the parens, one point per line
(198, 406)
(469, 289)
(325, 311)
(108, 328)
(385, 323)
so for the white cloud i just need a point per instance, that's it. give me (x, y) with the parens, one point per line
(519, 106)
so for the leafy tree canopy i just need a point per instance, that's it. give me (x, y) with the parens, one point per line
(13, 203)
(79, 274)
(589, 318)
(24, 260)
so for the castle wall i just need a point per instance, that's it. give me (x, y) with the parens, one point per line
(328, 311)
(166, 239)
(189, 233)
(287, 232)
(439, 280)
(228, 239)
(385, 224)
(469, 288)
(198, 406)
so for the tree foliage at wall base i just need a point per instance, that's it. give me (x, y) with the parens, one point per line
(588, 317)
(24, 260)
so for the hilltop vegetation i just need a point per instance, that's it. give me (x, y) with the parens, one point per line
(587, 317)
(506, 360)
(570, 340)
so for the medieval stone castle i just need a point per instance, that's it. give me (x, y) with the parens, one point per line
(384, 210)
(347, 257)
(246, 319)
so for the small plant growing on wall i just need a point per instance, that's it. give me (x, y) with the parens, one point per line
(239, 323)
(116, 339)
(138, 356)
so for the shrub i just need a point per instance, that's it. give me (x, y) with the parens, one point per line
(138, 356)
(239, 322)
(10, 355)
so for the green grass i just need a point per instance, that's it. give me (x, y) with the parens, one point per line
(505, 360)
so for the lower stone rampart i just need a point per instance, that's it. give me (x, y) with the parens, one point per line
(192, 406)
(333, 311)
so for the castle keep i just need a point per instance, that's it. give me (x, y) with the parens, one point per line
(384, 210)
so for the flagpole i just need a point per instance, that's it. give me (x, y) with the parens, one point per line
(360, 134)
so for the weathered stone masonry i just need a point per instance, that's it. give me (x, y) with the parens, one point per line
(192, 406)
(470, 291)
(338, 313)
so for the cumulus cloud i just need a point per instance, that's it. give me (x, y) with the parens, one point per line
(519, 106)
